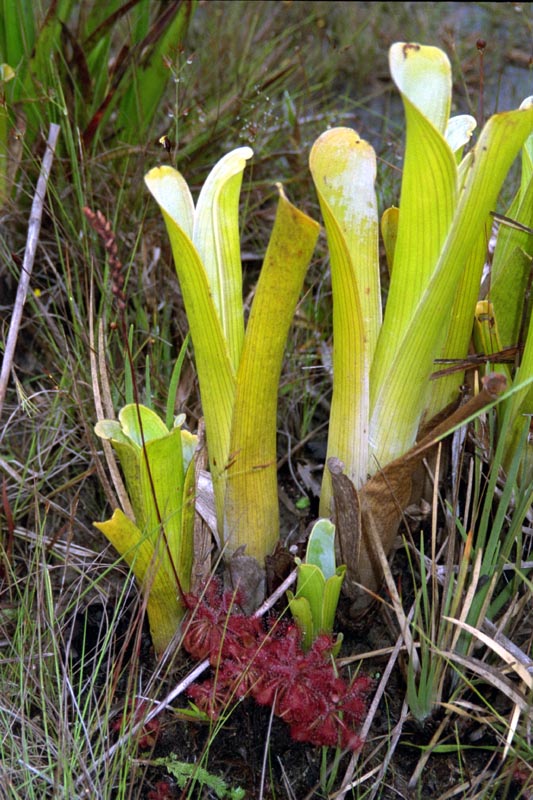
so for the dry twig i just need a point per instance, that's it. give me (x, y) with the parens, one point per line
(34, 229)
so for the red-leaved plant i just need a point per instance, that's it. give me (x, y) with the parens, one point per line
(267, 662)
(149, 733)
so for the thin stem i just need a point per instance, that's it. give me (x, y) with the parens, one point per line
(34, 229)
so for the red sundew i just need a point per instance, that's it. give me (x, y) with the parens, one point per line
(241, 675)
(214, 629)
(354, 700)
(302, 686)
(323, 734)
(150, 732)
(161, 791)
(209, 698)
(523, 776)
(340, 708)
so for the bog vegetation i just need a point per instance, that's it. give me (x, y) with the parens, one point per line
(266, 390)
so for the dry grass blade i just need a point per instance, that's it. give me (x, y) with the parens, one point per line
(513, 725)
(403, 622)
(497, 636)
(101, 397)
(347, 782)
(522, 667)
(426, 755)
(492, 676)
(157, 709)
(34, 227)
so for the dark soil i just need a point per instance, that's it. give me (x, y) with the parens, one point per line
(253, 750)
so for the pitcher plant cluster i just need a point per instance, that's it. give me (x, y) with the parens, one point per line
(384, 404)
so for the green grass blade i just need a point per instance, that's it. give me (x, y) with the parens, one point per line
(521, 402)
(5, 124)
(17, 31)
(174, 383)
